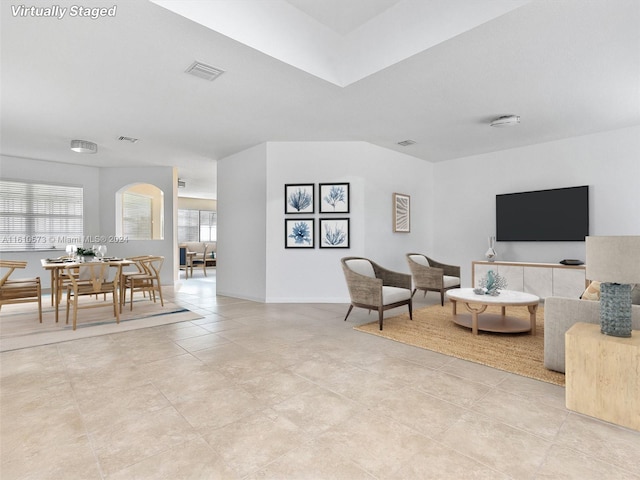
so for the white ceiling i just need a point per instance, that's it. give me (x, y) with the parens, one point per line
(432, 73)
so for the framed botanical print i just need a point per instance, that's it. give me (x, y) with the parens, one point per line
(401, 213)
(299, 233)
(334, 233)
(334, 197)
(298, 198)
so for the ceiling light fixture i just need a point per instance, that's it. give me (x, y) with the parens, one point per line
(505, 121)
(82, 146)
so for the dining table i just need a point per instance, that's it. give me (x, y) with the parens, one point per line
(57, 265)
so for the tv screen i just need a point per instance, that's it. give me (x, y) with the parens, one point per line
(560, 214)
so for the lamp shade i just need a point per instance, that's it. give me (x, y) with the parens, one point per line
(613, 259)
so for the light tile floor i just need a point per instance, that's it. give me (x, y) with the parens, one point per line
(264, 391)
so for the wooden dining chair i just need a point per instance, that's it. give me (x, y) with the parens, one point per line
(147, 281)
(19, 290)
(92, 278)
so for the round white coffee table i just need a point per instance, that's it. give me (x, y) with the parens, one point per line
(490, 322)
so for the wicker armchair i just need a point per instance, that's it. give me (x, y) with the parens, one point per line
(374, 287)
(20, 290)
(429, 275)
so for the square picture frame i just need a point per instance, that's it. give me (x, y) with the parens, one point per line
(333, 197)
(401, 213)
(334, 233)
(299, 198)
(299, 233)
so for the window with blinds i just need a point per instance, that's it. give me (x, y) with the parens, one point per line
(196, 225)
(137, 218)
(188, 225)
(39, 216)
(208, 226)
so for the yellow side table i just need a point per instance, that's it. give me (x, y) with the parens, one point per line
(603, 375)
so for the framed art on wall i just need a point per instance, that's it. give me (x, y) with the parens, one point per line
(401, 213)
(334, 197)
(298, 198)
(334, 233)
(298, 233)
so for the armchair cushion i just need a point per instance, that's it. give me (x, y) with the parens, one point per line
(361, 266)
(450, 282)
(394, 294)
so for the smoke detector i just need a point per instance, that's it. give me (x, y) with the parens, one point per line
(505, 121)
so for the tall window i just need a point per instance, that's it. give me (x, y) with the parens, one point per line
(208, 226)
(188, 225)
(39, 216)
(196, 226)
(136, 216)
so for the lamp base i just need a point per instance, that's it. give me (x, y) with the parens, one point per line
(615, 309)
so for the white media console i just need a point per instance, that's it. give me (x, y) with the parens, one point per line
(541, 279)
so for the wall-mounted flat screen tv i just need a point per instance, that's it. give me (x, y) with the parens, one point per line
(560, 215)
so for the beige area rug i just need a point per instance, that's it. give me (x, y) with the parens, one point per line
(19, 326)
(433, 329)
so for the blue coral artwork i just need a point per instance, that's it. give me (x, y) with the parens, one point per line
(334, 233)
(334, 197)
(298, 198)
(298, 233)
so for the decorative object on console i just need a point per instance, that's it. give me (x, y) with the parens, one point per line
(491, 284)
(614, 261)
(491, 252)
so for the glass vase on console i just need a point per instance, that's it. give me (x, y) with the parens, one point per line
(491, 254)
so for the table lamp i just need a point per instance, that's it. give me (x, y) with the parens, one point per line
(615, 262)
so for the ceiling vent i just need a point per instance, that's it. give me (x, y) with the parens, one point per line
(127, 139)
(505, 121)
(202, 70)
(181, 183)
(406, 143)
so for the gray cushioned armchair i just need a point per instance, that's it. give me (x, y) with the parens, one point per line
(374, 287)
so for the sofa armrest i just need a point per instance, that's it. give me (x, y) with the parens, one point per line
(559, 315)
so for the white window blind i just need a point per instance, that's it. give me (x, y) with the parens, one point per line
(208, 226)
(39, 216)
(188, 225)
(136, 217)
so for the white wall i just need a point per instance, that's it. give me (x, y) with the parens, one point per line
(100, 186)
(242, 252)
(111, 181)
(608, 162)
(314, 275)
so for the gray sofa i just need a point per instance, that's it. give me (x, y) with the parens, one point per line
(560, 314)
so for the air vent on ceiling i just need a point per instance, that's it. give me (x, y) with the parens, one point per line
(181, 183)
(127, 139)
(406, 143)
(202, 70)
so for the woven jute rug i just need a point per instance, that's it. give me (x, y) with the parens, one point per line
(432, 328)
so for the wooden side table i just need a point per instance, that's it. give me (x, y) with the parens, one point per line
(603, 375)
